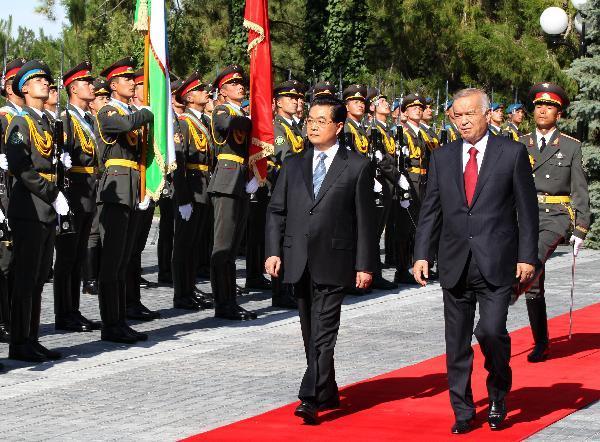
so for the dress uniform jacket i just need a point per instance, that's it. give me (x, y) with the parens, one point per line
(512, 131)
(558, 171)
(418, 158)
(288, 139)
(230, 130)
(7, 113)
(119, 139)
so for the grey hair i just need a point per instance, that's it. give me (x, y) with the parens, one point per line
(484, 99)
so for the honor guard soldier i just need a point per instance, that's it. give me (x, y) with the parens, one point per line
(563, 198)
(80, 141)
(35, 201)
(193, 150)
(91, 263)
(288, 142)
(496, 118)
(416, 152)
(516, 113)
(451, 129)
(432, 139)
(14, 105)
(356, 137)
(324, 89)
(120, 141)
(50, 105)
(230, 187)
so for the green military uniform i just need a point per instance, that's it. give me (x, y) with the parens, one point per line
(230, 128)
(30, 149)
(120, 141)
(510, 130)
(80, 142)
(563, 201)
(193, 150)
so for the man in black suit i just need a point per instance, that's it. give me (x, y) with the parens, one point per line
(318, 223)
(477, 190)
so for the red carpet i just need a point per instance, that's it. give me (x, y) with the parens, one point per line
(412, 402)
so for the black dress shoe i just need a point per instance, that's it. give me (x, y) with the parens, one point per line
(141, 313)
(462, 427)
(117, 334)
(233, 315)
(139, 336)
(53, 355)
(203, 301)
(261, 283)
(145, 284)
(94, 325)
(71, 324)
(496, 414)
(4, 334)
(308, 412)
(90, 288)
(239, 291)
(249, 314)
(383, 284)
(540, 352)
(25, 352)
(331, 404)
(186, 304)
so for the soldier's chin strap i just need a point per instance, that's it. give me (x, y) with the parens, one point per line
(572, 293)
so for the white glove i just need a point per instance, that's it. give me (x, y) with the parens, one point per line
(405, 151)
(3, 162)
(61, 205)
(577, 244)
(185, 211)
(377, 187)
(378, 155)
(65, 158)
(252, 185)
(405, 204)
(403, 183)
(145, 203)
(2, 217)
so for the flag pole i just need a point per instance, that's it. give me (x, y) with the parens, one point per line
(146, 102)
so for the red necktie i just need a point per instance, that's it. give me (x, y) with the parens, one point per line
(470, 175)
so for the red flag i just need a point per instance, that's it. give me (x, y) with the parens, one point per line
(256, 20)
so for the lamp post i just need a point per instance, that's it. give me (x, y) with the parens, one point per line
(557, 25)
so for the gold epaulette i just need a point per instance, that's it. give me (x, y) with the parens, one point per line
(570, 137)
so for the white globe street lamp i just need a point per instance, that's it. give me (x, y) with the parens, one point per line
(578, 23)
(554, 21)
(579, 4)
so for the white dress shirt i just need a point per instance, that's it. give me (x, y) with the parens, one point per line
(331, 152)
(480, 146)
(539, 135)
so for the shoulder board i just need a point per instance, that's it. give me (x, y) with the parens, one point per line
(569, 137)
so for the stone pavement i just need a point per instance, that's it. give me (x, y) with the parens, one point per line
(196, 373)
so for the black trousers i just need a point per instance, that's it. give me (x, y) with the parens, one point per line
(320, 307)
(185, 249)
(547, 243)
(71, 251)
(6, 263)
(382, 214)
(33, 244)
(143, 222)
(230, 213)
(255, 234)
(459, 315)
(118, 233)
(166, 229)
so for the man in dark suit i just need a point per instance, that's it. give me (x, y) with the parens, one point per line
(318, 223)
(477, 190)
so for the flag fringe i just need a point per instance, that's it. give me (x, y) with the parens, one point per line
(141, 23)
(259, 30)
(267, 150)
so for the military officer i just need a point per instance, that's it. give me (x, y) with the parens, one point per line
(416, 151)
(324, 89)
(230, 187)
(80, 141)
(452, 133)
(14, 105)
(431, 138)
(92, 256)
(119, 138)
(515, 113)
(563, 198)
(35, 201)
(193, 146)
(50, 105)
(496, 118)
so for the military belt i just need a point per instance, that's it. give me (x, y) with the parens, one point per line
(83, 169)
(272, 164)
(48, 176)
(195, 166)
(551, 199)
(231, 157)
(417, 170)
(123, 163)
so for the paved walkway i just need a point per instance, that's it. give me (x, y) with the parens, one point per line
(196, 373)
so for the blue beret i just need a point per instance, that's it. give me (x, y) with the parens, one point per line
(514, 107)
(496, 106)
(245, 103)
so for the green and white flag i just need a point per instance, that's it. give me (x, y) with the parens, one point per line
(160, 158)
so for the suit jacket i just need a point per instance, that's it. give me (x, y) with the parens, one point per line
(558, 171)
(488, 228)
(332, 233)
(32, 194)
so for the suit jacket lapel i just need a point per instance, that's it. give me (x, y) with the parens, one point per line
(552, 147)
(493, 151)
(337, 166)
(458, 167)
(307, 171)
